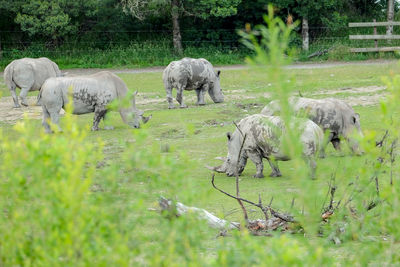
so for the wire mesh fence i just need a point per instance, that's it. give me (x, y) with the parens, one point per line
(154, 47)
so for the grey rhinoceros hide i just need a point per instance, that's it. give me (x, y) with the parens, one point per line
(91, 93)
(259, 136)
(28, 74)
(192, 74)
(334, 116)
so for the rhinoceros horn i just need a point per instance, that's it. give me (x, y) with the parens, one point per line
(220, 169)
(146, 119)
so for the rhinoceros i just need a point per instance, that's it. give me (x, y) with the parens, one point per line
(334, 116)
(28, 74)
(91, 93)
(264, 139)
(192, 74)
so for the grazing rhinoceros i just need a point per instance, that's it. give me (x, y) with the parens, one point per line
(91, 93)
(192, 74)
(28, 74)
(264, 137)
(332, 115)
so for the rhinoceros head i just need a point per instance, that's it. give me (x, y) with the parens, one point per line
(235, 161)
(272, 108)
(234, 154)
(215, 91)
(132, 116)
(352, 129)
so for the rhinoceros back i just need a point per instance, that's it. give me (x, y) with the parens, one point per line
(262, 132)
(87, 91)
(265, 134)
(192, 73)
(312, 138)
(32, 72)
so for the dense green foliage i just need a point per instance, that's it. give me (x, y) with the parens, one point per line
(202, 8)
(77, 32)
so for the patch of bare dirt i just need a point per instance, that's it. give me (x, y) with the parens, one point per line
(10, 114)
(249, 105)
(375, 95)
(365, 100)
(190, 97)
(352, 90)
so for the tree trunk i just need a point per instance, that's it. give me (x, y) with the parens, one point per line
(390, 15)
(1, 51)
(176, 31)
(304, 33)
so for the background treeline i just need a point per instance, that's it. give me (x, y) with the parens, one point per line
(110, 33)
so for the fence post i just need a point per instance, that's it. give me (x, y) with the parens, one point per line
(375, 33)
(390, 15)
(304, 33)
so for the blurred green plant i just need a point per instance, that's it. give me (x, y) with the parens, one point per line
(55, 211)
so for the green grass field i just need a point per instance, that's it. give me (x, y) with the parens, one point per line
(198, 133)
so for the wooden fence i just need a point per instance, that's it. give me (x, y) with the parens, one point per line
(375, 36)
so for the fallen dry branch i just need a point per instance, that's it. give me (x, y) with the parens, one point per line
(320, 52)
(284, 217)
(380, 142)
(246, 217)
(254, 226)
(180, 209)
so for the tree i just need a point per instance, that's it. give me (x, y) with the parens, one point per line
(390, 16)
(310, 11)
(176, 9)
(55, 18)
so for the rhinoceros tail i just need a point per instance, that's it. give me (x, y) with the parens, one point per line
(8, 77)
(39, 98)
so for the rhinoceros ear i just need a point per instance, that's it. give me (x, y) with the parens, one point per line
(218, 73)
(229, 135)
(356, 117)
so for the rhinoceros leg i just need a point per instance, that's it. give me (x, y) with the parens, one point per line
(179, 95)
(257, 159)
(46, 117)
(310, 160)
(107, 127)
(275, 169)
(55, 118)
(23, 94)
(336, 144)
(327, 140)
(242, 164)
(53, 114)
(200, 94)
(99, 113)
(14, 95)
(168, 89)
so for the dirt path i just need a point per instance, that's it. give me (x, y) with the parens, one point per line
(300, 65)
